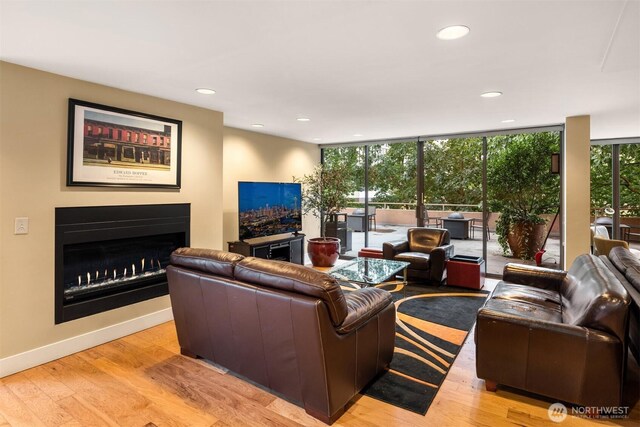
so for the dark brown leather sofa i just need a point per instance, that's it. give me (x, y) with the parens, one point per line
(282, 325)
(426, 249)
(626, 267)
(555, 333)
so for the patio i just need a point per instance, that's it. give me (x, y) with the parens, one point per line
(495, 260)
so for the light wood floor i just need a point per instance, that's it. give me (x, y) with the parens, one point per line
(142, 380)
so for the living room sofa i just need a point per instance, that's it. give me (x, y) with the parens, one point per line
(626, 266)
(285, 326)
(556, 333)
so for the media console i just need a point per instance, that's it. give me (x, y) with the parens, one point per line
(283, 247)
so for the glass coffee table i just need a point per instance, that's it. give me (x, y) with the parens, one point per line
(369, 271)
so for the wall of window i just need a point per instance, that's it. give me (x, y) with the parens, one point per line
(421, 181)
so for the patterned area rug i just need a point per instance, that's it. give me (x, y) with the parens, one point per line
(431, 326)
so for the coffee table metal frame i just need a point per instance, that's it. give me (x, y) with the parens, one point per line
(370, 271)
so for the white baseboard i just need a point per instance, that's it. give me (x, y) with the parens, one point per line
(38, 356)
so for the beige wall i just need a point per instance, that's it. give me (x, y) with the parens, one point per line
(250, 156)
(33, 144)
(577, 188)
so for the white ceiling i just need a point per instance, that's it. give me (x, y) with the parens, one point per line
(369, 67)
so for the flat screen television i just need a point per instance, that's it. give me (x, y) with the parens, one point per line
(268, 208)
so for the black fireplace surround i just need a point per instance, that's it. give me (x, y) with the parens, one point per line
(111, 256)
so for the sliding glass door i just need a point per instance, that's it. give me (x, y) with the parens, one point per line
(523, 197)
(453, 192)
(615, 188)
(383, 203)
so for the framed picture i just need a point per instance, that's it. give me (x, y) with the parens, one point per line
(113, 147)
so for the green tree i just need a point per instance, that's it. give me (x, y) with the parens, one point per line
(601, 194)
(630, 180)
(325, 192)
(453, 172)
(392, 173)
(520, 184)
(601, 179)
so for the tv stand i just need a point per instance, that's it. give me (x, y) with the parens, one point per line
(283, 247)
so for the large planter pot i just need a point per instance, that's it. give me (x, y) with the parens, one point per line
(525, 239)
(323, 251)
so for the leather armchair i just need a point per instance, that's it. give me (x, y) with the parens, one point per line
(556, 333)
(426, 250)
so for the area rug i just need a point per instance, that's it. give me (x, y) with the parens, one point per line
(432, 323)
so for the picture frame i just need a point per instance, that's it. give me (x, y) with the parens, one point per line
(114, 147)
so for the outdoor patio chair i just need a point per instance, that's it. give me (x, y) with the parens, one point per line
(432, 221)
(482, 226)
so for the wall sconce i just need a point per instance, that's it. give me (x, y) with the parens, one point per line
(555, 163)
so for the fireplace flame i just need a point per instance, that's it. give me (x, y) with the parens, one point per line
(114, 276)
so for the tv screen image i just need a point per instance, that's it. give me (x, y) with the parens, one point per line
(268, 208)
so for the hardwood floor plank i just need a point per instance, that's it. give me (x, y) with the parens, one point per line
(214, 374)
(199, 387)
(85, 413)
(367, 411)
(48, 384)
(142, 380)
(109, 395)
(40, 404)
(13, 409)
(184, 414)
(293, 412)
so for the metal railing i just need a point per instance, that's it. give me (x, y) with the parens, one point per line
(412, 205)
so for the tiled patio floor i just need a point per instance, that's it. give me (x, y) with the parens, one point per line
(495, 259)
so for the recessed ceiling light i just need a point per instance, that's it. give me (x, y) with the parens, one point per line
(508, 121)
(317, 139)
(358, 134)
(205, 91)
(257, 125)
(491, 94)
(303, 119)
(452, 32)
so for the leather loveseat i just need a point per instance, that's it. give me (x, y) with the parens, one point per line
(426, 250)
(284, 326)
(626, 266)
(556, 333)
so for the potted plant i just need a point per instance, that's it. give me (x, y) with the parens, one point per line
(521, 187)
(325, 194)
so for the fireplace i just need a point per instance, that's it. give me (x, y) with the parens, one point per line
(111, 256)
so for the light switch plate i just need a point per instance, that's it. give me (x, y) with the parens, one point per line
(22, 226)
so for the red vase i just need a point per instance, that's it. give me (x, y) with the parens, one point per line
(323, 251)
